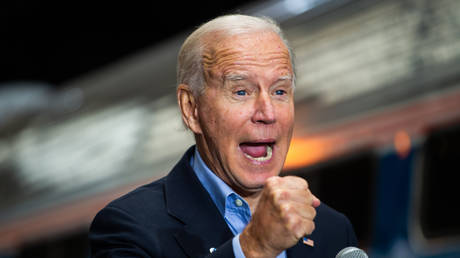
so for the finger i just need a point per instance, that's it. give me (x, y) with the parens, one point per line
(307, 212)
(292, 195)
(291, 182)
(316, 202)
(294, 182)
(299, 225)
(290, 209)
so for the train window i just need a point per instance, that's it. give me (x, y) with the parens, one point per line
(346, 184)
(439, 206)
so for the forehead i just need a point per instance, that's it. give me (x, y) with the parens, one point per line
(243, 52)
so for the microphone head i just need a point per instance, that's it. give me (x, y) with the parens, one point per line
(351, 252)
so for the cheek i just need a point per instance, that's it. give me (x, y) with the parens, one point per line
(286, 116)
(235, 117)
(287, 127)
(228, 126)
(219, 123)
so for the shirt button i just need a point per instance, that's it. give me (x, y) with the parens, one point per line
(238, 202)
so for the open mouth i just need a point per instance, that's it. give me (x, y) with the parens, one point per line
(257, 151)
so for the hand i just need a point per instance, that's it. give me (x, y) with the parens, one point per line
(284, 214)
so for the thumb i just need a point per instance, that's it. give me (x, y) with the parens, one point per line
(316, 202)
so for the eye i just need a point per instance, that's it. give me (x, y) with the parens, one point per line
(241, 93)
(280, 92)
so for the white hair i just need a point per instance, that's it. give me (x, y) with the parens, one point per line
(189, 61)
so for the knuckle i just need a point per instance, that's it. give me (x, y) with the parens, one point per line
(296, 227)
(288, 212)
(281, 195)
(272, 182)
(293, 223)
(275, 195)
(308, 196)
(310, 227)
(286, 209)
(300, 181)
(306, 184)
(313, 212)
(298, 234)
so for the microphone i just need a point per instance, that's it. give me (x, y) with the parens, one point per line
(351, 252)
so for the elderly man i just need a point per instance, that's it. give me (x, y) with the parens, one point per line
(224, 198)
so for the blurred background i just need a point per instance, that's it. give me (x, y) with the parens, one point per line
(88, 112)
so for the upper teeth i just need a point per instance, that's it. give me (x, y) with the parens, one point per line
(267, 156)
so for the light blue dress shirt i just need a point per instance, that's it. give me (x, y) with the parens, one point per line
(231, 206)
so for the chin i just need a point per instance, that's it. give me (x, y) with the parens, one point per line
(257, 180)
(250, 174)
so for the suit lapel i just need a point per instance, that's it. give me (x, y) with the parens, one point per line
(188, 201)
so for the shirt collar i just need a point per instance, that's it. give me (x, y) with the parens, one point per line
(216, 187)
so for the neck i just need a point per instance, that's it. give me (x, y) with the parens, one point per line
(251, 196)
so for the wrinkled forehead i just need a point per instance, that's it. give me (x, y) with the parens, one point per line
(263, 48)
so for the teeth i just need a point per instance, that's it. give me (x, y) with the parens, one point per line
(267, 156)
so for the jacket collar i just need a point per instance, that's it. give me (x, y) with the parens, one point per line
(189, 202)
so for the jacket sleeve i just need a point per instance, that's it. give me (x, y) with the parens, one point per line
(351, 236)
(115, 233)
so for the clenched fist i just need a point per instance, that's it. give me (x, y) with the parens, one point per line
(283, 215)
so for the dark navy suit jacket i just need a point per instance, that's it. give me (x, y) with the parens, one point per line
(176, 217)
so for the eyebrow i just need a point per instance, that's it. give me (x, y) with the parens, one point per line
(242, 77)
(239, 77)
(285, 78)
(235, 77)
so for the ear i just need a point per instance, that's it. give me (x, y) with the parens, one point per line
(188, 107)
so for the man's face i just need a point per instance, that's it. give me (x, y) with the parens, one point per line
(246, 113)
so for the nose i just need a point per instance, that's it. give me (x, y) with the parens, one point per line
(264, 110)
